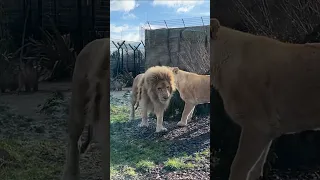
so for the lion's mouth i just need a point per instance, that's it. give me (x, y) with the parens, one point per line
(164, 99)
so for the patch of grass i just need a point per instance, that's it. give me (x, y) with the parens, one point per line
(126, 150)
(128, 153)
(177, 164)
(113, 171)
(202, 155)
(39, 160)
(119, 113)
(129, 171)
(145, 165)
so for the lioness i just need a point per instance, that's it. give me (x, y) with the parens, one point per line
(155, 89)
(268, 87)
(90, 93)
(194, 89)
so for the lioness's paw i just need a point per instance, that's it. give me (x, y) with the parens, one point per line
(162, 129)
(143, 124)
(181, 124)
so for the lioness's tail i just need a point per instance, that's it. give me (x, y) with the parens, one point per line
(85, 144)
(139, 93)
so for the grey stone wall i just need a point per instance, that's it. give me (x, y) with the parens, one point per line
(186, 48)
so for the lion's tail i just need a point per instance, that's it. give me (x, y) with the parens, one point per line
(84, 146)
(139, 93)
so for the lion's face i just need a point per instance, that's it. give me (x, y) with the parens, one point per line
(164, 91)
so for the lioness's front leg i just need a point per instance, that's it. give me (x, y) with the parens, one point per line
(159, 114)
(252, 143)
(186, 114)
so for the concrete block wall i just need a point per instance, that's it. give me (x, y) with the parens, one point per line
(186, 48)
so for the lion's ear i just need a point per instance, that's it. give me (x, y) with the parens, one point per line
(214, 27)
(175, 70)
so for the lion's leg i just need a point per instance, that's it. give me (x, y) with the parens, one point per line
(159, 127)
(144, 115)
(133, 101)
(104, 137)
(252, 143)
(75, 127)
(186, 114)
(258, 169)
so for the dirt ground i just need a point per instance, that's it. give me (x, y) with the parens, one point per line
(33, 132)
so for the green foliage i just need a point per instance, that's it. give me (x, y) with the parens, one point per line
(55, 53)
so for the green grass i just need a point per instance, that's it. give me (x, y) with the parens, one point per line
(39, 160)
(130, 155)
(145, 165)
(178, 163)
(119, 113)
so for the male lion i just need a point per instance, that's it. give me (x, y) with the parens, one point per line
(90, 96)
(268, 87)
(194, 89)
(155, 89)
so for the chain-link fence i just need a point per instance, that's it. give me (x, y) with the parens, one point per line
(126, 57)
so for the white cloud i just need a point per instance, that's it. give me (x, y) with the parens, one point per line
(117, 29)
(125, 32)
(127, 16)
(181, 6)
(123, 5)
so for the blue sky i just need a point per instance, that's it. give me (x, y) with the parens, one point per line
(128, 16)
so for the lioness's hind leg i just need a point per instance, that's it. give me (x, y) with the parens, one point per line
(144, 113)
(133, 101)
(186, 114)
(258, 170)
(159, 127)
(252, 143)
(75, 127)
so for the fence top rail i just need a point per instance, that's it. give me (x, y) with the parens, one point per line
(177, 23)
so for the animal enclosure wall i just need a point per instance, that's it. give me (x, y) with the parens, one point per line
(186, 48)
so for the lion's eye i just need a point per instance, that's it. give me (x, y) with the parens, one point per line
(168, 87)
(159, 89)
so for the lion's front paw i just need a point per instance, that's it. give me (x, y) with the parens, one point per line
(181, 124)
(143, 124)
(161, 129)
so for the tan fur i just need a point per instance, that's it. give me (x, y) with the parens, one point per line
(90, 93)
(268, 87)
(134, 94)
(194, 89)
(155, 89)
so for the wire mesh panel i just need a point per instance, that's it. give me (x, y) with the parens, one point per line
(126, 56)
